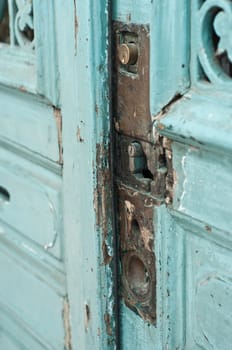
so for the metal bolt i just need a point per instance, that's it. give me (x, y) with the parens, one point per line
(128, 53)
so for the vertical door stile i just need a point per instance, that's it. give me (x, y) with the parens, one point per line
(87, 179)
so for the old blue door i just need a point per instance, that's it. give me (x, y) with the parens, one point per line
(172, 126)
(115, 194)
(54, 215)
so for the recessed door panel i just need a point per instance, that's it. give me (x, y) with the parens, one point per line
(31, 202)
(56, 265)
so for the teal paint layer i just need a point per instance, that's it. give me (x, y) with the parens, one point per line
(170, 52)
(200, 120)
(132, 11)
(169, 45)
(84, 105)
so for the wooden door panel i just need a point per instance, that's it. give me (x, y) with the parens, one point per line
(17, 334)
(199, 287)
(20, 290)
(34, 311)
(202, 188)
(38, 124)
(32, 205)
(208, 293)
(28, 59)
(56, 241)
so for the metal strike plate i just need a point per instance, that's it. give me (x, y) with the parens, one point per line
(141, 165)
(138, 274)
(131, 80)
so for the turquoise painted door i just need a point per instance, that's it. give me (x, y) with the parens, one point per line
(172, 125)
(55, 289)
(146, 264)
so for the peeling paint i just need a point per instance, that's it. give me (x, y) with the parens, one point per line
(105, 251)
(101, 200)
(58, 119)
(67, 326)
(103, 208)
(130, 209)
(208, 228)
(107, 319)
(138, 272)
(147, 237)
(183, 164)
(165, 110)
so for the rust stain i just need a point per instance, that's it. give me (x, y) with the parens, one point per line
(136, 252)
(107, 319)
(161, 126)
(67, 326)
(102, 198)
(131, 91)
(22, 88)
(58, 119)
(208, 228)
(75, 26)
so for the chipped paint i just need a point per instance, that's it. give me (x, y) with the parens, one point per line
(78, 133)
(87, 316)
(136, 252)
(183, 161)
(147, 237)
(102, 200)
(107, 256)
(208, 228)
(67, 326)
(107, 319)
(58, 119)
(103, 209)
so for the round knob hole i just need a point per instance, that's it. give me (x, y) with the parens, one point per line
(137, 276)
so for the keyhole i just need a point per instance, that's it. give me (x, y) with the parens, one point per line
(4, 195)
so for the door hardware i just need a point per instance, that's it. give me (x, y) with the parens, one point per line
(131, 80)
(143, 171)
(137, 256)
(128, 53)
